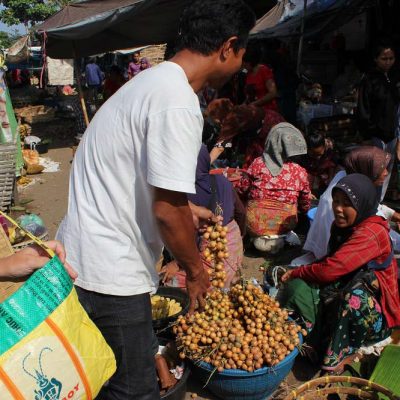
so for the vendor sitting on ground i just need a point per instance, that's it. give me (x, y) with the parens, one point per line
(256, 147)
(319, 162)
(358, 301)
(367, 160)
(276, 187)
(215, 193)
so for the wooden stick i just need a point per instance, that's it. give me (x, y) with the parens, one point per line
(80, 92)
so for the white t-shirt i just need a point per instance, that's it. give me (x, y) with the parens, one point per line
(147, 134)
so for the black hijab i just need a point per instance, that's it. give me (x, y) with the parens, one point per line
(363, 196)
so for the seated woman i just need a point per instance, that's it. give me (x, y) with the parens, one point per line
(319, 162)
(367, 160)
(276, 187)
(216, 193)
(256, 147)
(358, 301)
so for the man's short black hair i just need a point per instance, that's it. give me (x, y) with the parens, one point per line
(315, 140)
(206, 24)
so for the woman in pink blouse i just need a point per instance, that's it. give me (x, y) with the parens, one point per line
(276, 187)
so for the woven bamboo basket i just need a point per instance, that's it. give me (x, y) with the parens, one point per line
(7, 287)
(26, 243)
(7, 174)
(320, 388)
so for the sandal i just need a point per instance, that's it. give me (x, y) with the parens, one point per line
(339, 369)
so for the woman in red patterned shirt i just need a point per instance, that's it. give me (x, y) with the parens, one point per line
(276, 187)
(358, 301)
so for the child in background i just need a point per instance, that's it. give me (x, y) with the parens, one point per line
(319, 162)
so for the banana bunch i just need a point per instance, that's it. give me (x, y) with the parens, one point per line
(163, 307)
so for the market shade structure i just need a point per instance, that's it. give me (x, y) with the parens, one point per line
(99, 26)
(322, 16)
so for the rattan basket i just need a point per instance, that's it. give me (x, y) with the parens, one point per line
(321, 388)
(7, 174)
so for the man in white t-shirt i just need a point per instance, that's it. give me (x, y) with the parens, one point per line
(128, 186)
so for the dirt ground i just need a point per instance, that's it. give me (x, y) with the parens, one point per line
(48, 198)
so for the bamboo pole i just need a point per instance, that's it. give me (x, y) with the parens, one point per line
(80, 92)
(300, 52)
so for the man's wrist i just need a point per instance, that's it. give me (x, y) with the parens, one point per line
(193, 273)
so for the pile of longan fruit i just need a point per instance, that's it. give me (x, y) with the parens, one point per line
(240, 329)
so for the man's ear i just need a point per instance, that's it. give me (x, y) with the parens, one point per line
(228, 47)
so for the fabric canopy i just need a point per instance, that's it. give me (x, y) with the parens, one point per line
(99, 26)
(322, 16)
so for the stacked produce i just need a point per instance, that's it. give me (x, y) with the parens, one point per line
(216, 252)
(163, 307)
(241, 329)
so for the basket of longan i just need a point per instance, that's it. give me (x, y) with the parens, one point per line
(242, 344)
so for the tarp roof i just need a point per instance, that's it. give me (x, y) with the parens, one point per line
(98, 26)
(322, 16)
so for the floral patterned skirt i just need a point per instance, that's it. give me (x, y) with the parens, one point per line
(360, 321)
(337, 331)
(270, 217)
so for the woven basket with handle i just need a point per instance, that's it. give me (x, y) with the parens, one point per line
(342, 386)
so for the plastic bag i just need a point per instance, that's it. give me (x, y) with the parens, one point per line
(49, 347)
(32, 223)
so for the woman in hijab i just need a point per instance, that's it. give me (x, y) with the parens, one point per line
(216, 193)
(256, 147)
(276, 187)
(367, 160)
(358, 301)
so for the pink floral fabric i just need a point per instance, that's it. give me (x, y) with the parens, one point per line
(290, 186)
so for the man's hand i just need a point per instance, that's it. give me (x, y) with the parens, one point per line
(175, 222)
(28, 260)
(197, 287)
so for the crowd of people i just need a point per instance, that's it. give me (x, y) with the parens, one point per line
(108, 83)
(141, 180)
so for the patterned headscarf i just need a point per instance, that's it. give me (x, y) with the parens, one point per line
(284, 141)
(367, 160)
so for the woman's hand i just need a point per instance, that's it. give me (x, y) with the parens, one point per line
(202, 217)
(168, 271)
(287, 276)
(28, 260)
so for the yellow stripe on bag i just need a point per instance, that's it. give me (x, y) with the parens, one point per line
(27, 233)
(73, 356)
(10, 385)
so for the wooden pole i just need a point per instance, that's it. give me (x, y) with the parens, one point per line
(80, 92)
(300, 52)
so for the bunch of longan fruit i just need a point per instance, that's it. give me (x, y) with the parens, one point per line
(215, 253)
